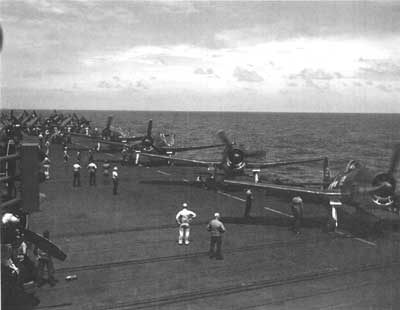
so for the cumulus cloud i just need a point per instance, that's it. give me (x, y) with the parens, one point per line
(244, 75)
(318, 79)
(117, 83)
(208, 71)
(384, 88)
(104, 84)
(310, 74)
(379, 69)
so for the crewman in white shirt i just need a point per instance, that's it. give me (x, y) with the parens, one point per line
(183, 218)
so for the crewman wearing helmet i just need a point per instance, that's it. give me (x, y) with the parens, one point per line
(183, 218)
(297, 211)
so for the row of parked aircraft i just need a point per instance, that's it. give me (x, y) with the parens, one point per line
(355, 186)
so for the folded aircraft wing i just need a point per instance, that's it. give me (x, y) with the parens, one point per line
(190, 148)
(253, 165)
(44, 244)
(286, 190)
(191, 162)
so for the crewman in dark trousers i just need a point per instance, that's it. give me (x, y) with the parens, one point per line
(297, 211)
(115, 180)
(249, 201)
(216, 229)
(106, 171)
(66, 156)
(92, 173)
(76, 168)
(90, 155)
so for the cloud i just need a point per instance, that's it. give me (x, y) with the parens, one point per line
(310, 74)
(245, 75)
(380, 69)
(117, 83)
(104, 84)
(318, 79)
(208, 71)
(384, 88)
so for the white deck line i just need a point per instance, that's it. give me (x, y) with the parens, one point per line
(163, 172)
(231, 196)
(356, 238)
(365, 241)
(279, 212)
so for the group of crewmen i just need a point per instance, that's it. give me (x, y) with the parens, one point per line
(18, 266)
(296, 206)
(92, 169)
(215, 227)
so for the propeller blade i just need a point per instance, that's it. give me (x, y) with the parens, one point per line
(394, 162)
(157, 149)
(257, 153)
(224, 138)
(373, 189)
(149, 127)
(109, 121)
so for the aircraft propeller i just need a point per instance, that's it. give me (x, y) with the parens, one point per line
(237, 155)
(107, 131)
(383, 185)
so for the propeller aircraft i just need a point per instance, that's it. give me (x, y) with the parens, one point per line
(161, 147)
(107, 135)
(234, 160)
(356, 186)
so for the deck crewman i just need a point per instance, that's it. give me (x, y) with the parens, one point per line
(115, 179)
(46, 167)
(92, 168)
(106, 171)
(297, 211)
(90, 156)
(78, 156)
(183, 218)
(40, 138)
(44, 261)
(249, 201)
(66, 156)
(216, 229)
(76, 168)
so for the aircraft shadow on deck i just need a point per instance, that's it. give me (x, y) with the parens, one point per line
(194, 184)
(349, 223)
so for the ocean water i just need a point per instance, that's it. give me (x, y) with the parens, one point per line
(366, 137)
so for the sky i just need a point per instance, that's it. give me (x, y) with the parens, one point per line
(315, 56)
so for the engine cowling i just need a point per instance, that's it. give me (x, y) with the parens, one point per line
(384, 196)
(235, 159)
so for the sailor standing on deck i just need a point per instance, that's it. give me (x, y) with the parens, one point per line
(46, 167)
(92, 173)
(44, 260)
(76, 168)
(106, 171)
(115, 180)
(183, 218)
(249, 201)
(216, 229)
(297, 210)
(66, 156)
